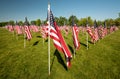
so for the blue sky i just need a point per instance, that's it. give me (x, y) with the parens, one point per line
(37, 9)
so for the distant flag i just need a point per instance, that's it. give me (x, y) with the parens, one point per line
(96, 31)
(43, 32)
(75, 35)
(34, 27)
(58, 40)
(105, 28)
(10, 28)
(27, 30)
(18, 29)
(89, 30)
(66, 30)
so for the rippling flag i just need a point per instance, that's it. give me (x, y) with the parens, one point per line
(27, 30)
(96, 31)
(58, 40)
(75, 36)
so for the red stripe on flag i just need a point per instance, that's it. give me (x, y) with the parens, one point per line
(75, 37)
(27, 31)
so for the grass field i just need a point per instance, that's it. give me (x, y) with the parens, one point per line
(100, 61)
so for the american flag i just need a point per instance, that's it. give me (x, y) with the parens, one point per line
(43, 32)
(10, 28)
(58, 40)
(75, 37)
(34, 28)
(27, 31)
(96, 31)
(18, 29)
(89, 30)
(96, 34)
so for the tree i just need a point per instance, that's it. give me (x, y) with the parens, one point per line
(71, 18)
(99, 22)
(3, 24)
(110, 22)
(38, 22)
(82, 22)
(20, 23)
(117, 22)
(11, 22)
(62, 21)
(33, 22)
(90, 21)
(57, 20)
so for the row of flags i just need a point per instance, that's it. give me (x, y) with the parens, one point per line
(54, 31)
(100, 32)
(95, 34)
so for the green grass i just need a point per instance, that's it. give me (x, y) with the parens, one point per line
(100, 61)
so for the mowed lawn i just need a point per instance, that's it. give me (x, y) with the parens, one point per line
(100, 61)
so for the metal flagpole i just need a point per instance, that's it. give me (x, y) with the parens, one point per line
(87, 40)
(73, 33)
(13, 32)
(49, 38)
(16, 31)
(74, 52)
(43, 41)
(24, 40)
(87, 35)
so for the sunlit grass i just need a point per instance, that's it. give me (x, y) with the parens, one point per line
(100, 61)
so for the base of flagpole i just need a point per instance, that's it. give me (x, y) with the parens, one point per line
(74, 53)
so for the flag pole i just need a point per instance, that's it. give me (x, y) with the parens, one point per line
(43, 41)
(13, 30)
(49, 38)
(24, 40)
(87, 40)
(87, 35)
(74, 52)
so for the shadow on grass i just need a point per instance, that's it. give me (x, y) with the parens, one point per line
(83, 44)
(38, 36)
(46, 40)
(71, 49)
(36, 43)
(59, 58)
(65, 37)
(90, 42)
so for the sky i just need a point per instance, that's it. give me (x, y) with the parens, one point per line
(17, 10)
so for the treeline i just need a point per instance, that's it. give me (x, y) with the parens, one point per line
(61, 21)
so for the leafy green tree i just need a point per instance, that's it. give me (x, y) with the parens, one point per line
(20, 23)
(99, 23)
(3, 24)
(62, 21)
(38, 22)
(45, 22)
(90, 21)
(82, 22)
(11, 22)
(110, 22)
(33, 22)
(71, 18)
(117, 22)
(57, 20)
